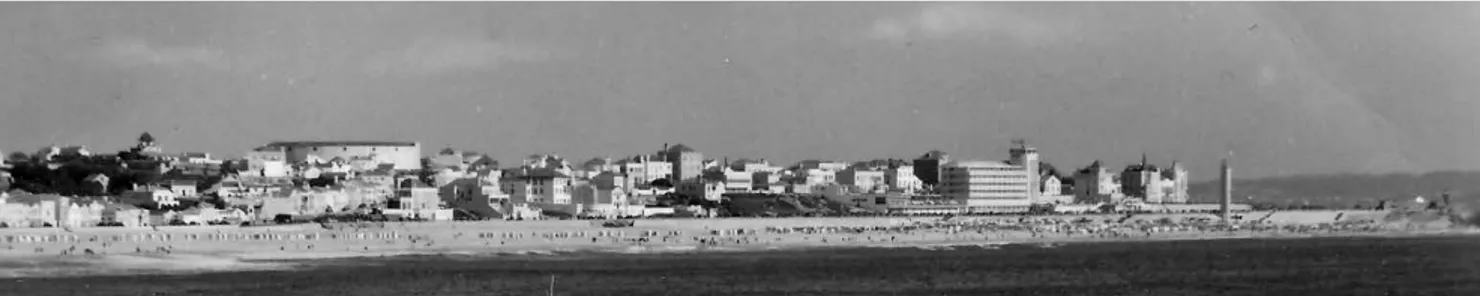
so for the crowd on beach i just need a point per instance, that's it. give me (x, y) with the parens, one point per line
(978, 229)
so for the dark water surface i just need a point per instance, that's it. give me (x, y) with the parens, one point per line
(1338, 266)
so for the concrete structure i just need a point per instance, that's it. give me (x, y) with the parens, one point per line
(1226, 189)
(688, 164)
(987, 186)
(1027, 157)
(902, 179)
(833, 166)
(527, 185)
(928, 167)
(267, 162)
(405, 155)
(644, 169)
(1094, 184)
(738, 181)
(1155, 185)
(867, 181)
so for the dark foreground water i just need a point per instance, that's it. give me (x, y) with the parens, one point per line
(1356, 266)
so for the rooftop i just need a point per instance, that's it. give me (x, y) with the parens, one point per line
(981, 164)
(342, 143)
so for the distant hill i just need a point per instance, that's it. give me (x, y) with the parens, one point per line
(1346, 190)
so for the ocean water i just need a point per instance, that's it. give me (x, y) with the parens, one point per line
(1329, 266)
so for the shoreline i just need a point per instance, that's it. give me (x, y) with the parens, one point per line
(103, 251)
(187, 263)
(916, 244)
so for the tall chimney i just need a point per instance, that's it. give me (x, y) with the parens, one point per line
(1227, 191)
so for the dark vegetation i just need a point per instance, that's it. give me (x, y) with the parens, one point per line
(1395, 266)
(781, 205)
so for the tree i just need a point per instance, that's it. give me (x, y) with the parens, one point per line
(17, 157)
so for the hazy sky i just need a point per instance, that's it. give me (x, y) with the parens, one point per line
(1292, 88)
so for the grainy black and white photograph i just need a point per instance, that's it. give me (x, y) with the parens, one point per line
(739, 148)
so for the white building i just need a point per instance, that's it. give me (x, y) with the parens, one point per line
(994, 186)
(902, 179)
(862, 179)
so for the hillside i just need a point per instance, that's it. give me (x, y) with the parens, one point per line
(1347, 190)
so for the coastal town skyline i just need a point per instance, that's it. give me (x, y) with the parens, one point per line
(786, 82)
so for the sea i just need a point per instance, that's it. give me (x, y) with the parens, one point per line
(1324, 266)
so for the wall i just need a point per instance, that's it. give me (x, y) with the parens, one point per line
(405, 157)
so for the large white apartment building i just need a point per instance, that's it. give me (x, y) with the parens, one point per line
(993, 186)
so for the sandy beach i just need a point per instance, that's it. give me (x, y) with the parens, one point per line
(49, 252)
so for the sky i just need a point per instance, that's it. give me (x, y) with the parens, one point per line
(1290, 88)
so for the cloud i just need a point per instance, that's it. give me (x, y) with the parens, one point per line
(964, 21)
(137, 52)
(441, 55)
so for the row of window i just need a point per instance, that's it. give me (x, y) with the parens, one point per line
(290, 148)
(996, 169)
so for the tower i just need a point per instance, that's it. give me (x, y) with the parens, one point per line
(1027, 156)
(1227, 191)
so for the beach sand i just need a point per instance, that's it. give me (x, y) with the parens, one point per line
(88, 251)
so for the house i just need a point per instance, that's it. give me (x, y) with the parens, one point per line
(30, 210)
(198, 158)
(712, 190)
(153, 197)
(527, 185)
(475, 196)
(863, 179)
(418, 201)
(183, 188)
(207, 215)
(80, 212)
(128, 215)
(165, 217)
(902, 179)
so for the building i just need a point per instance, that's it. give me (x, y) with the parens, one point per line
(1095, 184)
(902, 179)
(269, 162)
(1027, 157)
(753, 166)
(526, 185)
(404, 155)
(688, 164)
(644, 169)
(712, 190)
(822, 165)
(862, 179)
(928, 167)
(986, 186)
(738, 181)
(993, 186)
(477, 196)
(1154, 185)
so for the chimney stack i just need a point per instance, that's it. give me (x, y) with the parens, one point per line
(1227, 191)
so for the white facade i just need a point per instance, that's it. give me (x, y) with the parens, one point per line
(987, 186)
(405, 155)
(863, 180)
(902, 179)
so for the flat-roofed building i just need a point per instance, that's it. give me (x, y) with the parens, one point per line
(987, 186)
(404, 155)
